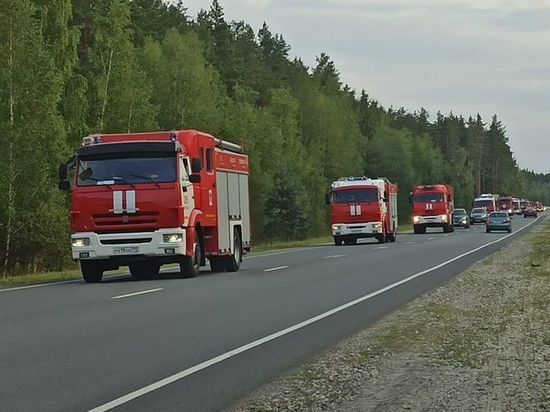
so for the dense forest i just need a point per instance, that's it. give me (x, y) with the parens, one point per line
(70, 68)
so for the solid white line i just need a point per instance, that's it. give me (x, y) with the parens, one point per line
(277, 268)
(143, 292)
(380, 247)
(334, 256)
(282, 252)
(220, 358)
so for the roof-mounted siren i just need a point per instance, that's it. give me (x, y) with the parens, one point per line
(92, 139)
(232, 147)
(173, 137)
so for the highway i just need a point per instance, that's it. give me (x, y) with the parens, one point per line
(202, 344)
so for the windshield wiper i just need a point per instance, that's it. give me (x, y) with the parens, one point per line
(95, 179)
(146, 178)
(120, 179)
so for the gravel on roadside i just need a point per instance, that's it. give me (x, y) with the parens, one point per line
(479, 342)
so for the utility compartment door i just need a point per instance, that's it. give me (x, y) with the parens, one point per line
(224, 241)
(233, 192)
(245, 206)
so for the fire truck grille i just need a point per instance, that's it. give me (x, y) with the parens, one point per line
(140, 218)
(125, 241)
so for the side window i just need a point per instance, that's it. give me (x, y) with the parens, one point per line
(202, 157)
(184, 169)
(209, 163)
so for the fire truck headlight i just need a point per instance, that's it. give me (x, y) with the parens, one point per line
(172, 238)
(443, 218)
(416, 219)
(81, 242)
(335, 228)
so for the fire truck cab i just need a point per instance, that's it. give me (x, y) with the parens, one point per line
(433, 206)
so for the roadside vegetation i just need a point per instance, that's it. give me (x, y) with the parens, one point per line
(71, 68)
(479, 342)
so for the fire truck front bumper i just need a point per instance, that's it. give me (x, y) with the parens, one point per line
(431, 220)
(160, 243)
(369, 229)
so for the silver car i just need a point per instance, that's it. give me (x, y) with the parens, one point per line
(478, 215)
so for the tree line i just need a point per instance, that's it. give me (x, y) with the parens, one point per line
(71, 68)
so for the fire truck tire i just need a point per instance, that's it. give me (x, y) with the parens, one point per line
(141, 271)
(383, 238)
(446, 228)
(392, 237)
(419, 229)
(190, 265)
(217, 265)
(92, 272)
(337, 240)
(233, 263)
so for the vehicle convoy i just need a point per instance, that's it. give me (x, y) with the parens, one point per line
(361, 208)
(433, 206)
(489, 201)
(147, 199)
(461, 218)
(478, 215)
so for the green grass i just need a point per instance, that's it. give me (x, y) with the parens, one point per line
(315, 241)
(38, 278)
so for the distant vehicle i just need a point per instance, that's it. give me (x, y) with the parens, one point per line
(498, 221)
(516, 206)
(530, 211)
(489, 201)
(433, 207)
(363, 208)
(523, 204)
(461, 218)
(538, 206)
(506, 204)
(478, 215)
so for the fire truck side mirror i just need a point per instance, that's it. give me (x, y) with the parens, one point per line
(327, 198)
(196, 165)
(63, 171)
(411, 197)
(195, 178)
(64, 185)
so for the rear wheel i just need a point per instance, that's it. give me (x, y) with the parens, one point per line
(217, 264)
(234, 261)
(191, 265)
(92, 272)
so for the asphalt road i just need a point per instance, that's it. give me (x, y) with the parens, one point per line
(202, 344)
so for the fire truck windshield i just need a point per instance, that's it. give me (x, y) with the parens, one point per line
(428, 198)
(355, 196)
(131, 170)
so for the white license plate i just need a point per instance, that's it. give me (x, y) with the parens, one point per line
(126, 250)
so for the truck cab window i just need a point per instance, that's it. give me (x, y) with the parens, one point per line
(209, 163)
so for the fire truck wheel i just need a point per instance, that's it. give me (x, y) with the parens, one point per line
(419, 229)
(393, 237)
(337, 241)
(190, 266)
(217, 265)
(234, 261)
(141, 271)
(92, 272)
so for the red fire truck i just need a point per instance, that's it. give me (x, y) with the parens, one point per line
(507, 204)
(147, 199)
(433, 207)
(362, 208)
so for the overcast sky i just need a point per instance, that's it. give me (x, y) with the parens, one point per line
(469, 56)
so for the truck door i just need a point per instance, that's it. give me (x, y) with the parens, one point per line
(188, 196)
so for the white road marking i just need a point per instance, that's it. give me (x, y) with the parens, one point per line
(334, 256)
(380, 247)
(40, 285)
(277, 268)
(430, 238)
(410, 243)
(284, 251)
(143, 292)
(224, 356)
